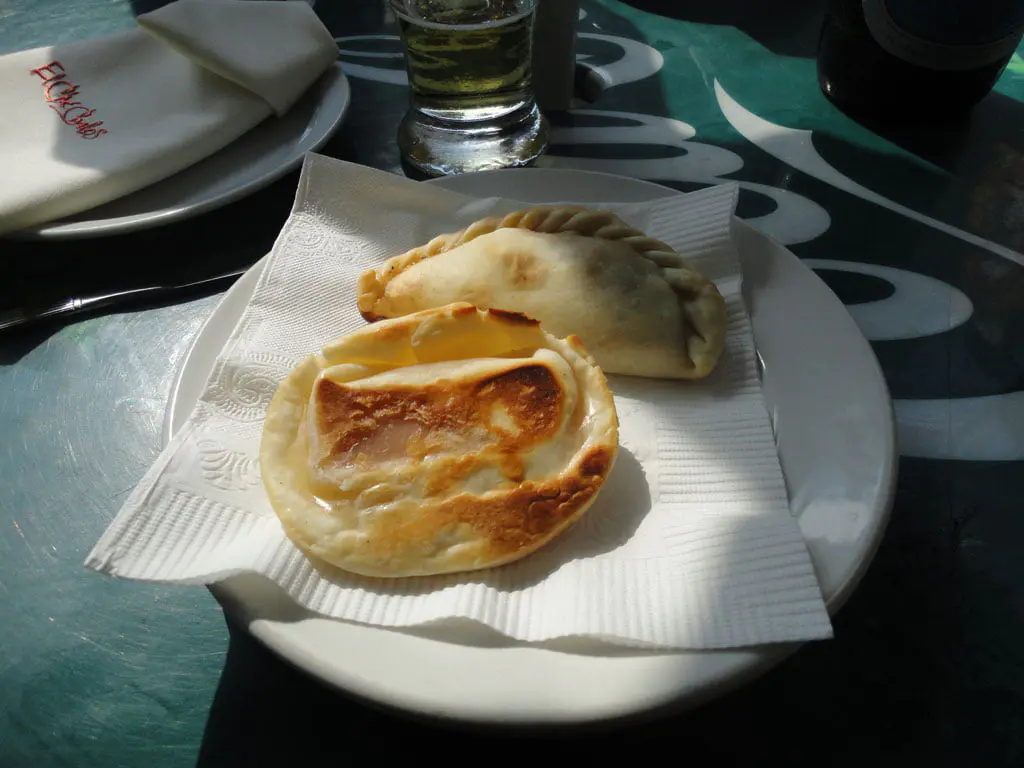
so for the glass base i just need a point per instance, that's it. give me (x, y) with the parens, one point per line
(436, 147)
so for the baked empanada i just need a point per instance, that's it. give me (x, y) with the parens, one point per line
(638, 306)
(447, 440)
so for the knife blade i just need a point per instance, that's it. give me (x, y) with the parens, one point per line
(76, 305)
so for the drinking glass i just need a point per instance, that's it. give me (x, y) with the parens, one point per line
(471, 105)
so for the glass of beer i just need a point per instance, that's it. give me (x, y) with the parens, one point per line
(472, 106)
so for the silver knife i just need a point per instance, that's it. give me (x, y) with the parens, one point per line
(24, 316)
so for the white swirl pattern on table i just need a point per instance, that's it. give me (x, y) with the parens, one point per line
(969, 428)
(367, 71)
(794, 147)
(920, 306)
(796, 219)
(639, 62)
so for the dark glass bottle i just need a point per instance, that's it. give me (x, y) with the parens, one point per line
(915, 58)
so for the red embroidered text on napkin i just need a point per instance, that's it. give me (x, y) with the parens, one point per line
(60, 93)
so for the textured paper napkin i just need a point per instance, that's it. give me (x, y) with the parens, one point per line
(690, 544)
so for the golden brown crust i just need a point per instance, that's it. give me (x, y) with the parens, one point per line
(529, 395)
(512, 522)
(512, 318)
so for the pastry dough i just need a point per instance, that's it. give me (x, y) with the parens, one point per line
(447, 440)
(638, 306)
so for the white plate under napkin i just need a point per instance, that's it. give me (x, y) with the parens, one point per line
(511, 694)
(840, 470)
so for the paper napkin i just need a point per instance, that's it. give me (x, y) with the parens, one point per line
(690, 544)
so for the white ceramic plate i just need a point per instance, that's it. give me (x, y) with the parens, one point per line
(834, 427)
(249, 163)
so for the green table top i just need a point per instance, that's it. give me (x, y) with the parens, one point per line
(904, 224)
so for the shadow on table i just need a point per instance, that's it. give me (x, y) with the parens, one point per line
(140, 7)
(44, 272)
(789, 28)
(983, 148)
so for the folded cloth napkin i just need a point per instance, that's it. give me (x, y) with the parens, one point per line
(88, 122)
(690, 544)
